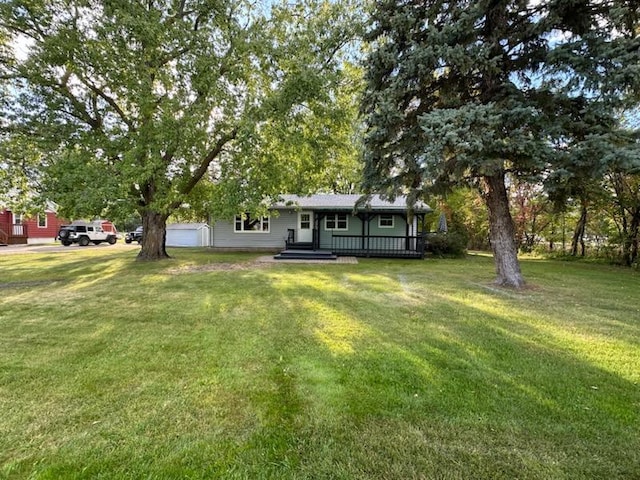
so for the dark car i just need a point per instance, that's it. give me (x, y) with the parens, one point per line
(135, 236)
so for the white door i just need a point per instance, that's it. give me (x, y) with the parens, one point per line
(305, 227)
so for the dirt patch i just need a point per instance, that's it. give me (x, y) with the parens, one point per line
(260, 262)
(217, 267)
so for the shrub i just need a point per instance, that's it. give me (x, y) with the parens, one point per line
(450, 244)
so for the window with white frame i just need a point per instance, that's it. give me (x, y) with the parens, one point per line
(42, 220)
(336, 221)
(17, 219)
(385, 221)
(247, 224)
(305, 221)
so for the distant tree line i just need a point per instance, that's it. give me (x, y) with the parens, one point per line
(604, 224)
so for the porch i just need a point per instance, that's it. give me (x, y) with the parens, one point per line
(382, 246)
(13, 234)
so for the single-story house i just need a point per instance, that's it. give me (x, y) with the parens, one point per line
(187, 235)
(16, 228)
(375, 228)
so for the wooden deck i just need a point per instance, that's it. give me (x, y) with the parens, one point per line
(382, 246)
(378, 246)
(13, 234)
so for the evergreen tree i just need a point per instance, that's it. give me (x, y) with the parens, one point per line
(477, 92)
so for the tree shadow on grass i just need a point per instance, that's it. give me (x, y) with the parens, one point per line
(316, 373)
(478, 390)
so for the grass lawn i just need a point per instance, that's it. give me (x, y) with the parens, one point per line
(212, 366)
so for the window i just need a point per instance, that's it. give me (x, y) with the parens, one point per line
(248, 224)
(17, 219)
(305, 221)
(42, 220)
(385, 221)
(336, 221)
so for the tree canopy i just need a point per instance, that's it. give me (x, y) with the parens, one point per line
(136, 102)
(475, 93)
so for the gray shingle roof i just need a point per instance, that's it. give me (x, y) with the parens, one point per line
(346, 202)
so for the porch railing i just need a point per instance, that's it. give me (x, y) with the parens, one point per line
(291, 241)
(13, 234)
(378, 246)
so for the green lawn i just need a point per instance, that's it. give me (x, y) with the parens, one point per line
(389, 369)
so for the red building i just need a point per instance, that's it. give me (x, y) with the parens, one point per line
(16, 228)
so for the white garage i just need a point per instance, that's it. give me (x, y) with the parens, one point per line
(187, 235)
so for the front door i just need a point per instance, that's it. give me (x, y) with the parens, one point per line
(305, 227)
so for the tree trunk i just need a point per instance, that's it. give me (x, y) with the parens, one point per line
(634, 233)
(626, 238)
(628, 205)
(154, 236)
(502, 232)
(578, 233)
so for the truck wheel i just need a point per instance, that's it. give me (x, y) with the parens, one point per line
(112, 240)
(127, 240)
(84, 241)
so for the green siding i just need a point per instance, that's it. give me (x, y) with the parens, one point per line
(399, 227)
(355, 228)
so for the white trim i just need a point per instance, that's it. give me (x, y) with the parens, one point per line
(393, 220)
(238, 218)
(38, 217)
(335, 218)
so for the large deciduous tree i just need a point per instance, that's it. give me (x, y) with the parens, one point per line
(19, 174)
(476, 93)
(134, 102)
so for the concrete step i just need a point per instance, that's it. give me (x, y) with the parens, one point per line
(300, 246)
(296, 254)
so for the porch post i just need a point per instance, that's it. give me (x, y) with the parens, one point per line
(368, 237)
(407, 244)
(423, 235)
(315, 235)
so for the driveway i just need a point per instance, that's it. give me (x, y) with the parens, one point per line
(57, 248)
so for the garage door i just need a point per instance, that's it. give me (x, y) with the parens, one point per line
(182, 238)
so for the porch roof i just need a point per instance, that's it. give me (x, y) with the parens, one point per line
(347, 203)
